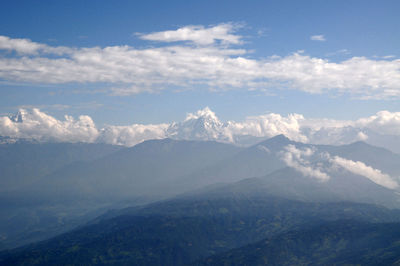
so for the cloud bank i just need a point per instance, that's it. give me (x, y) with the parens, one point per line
(194, 57)
(132, 135)
(42, 127)
(201, 125)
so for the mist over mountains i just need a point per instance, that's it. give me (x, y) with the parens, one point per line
(50, 188)
(380, 129)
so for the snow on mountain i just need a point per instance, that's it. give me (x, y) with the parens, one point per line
(202, 125)
(20, 116)
(381, 129)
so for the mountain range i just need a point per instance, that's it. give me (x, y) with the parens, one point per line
(36, 126)
(175, 202)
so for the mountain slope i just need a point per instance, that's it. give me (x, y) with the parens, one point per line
(160, 168)
(135, 171)
(257, 160)
(290, 184)
(22, 163)
(376, 157)
(268, 156)
(343, 242)
(74, 193)
(180, 231)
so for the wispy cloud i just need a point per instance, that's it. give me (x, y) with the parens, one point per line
(384, 57)
(320, 38)
(297, 159)
(197, 34)
(338, 52)
(59, 107)
(62, 107)
(360, 168)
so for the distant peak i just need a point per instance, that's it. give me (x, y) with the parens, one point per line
(277, 142)
(201, 125)
(19, 116)
(359, 143)
(203, 113)
(279, 138)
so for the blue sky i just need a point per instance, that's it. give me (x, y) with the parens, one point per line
(354, 57)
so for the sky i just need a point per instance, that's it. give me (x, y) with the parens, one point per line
(151, 62)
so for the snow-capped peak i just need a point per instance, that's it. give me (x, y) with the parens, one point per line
(20, 116)
(205, 114)
(202, 125)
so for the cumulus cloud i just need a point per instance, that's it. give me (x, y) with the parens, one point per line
(384, 121)
(330, 131)
(268, 125)
(297, 159)
(132, 135)
(197, 34)
(37, 125)
(316, 75)
(212, 62)
(22, 46)
(201, 125)
(40, 126)
(360, 168)
(319, 38)
(362, 136)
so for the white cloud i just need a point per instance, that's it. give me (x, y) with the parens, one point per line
(296, 158)
(358, 75)
(26, 46)
(22, 46)
(130, 90)
(385, 56)
(130, 70)
(40, 126)
(362, 136)
(197, 34)
(359, 168)
(338, 52)
(204, 124)
(37, 125)
(132, 135)
(384, 122)
(268, 125)
(388, 57)
(320, 38)
(201, 125)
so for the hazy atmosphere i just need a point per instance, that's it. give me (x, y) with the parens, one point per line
(199, 133)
